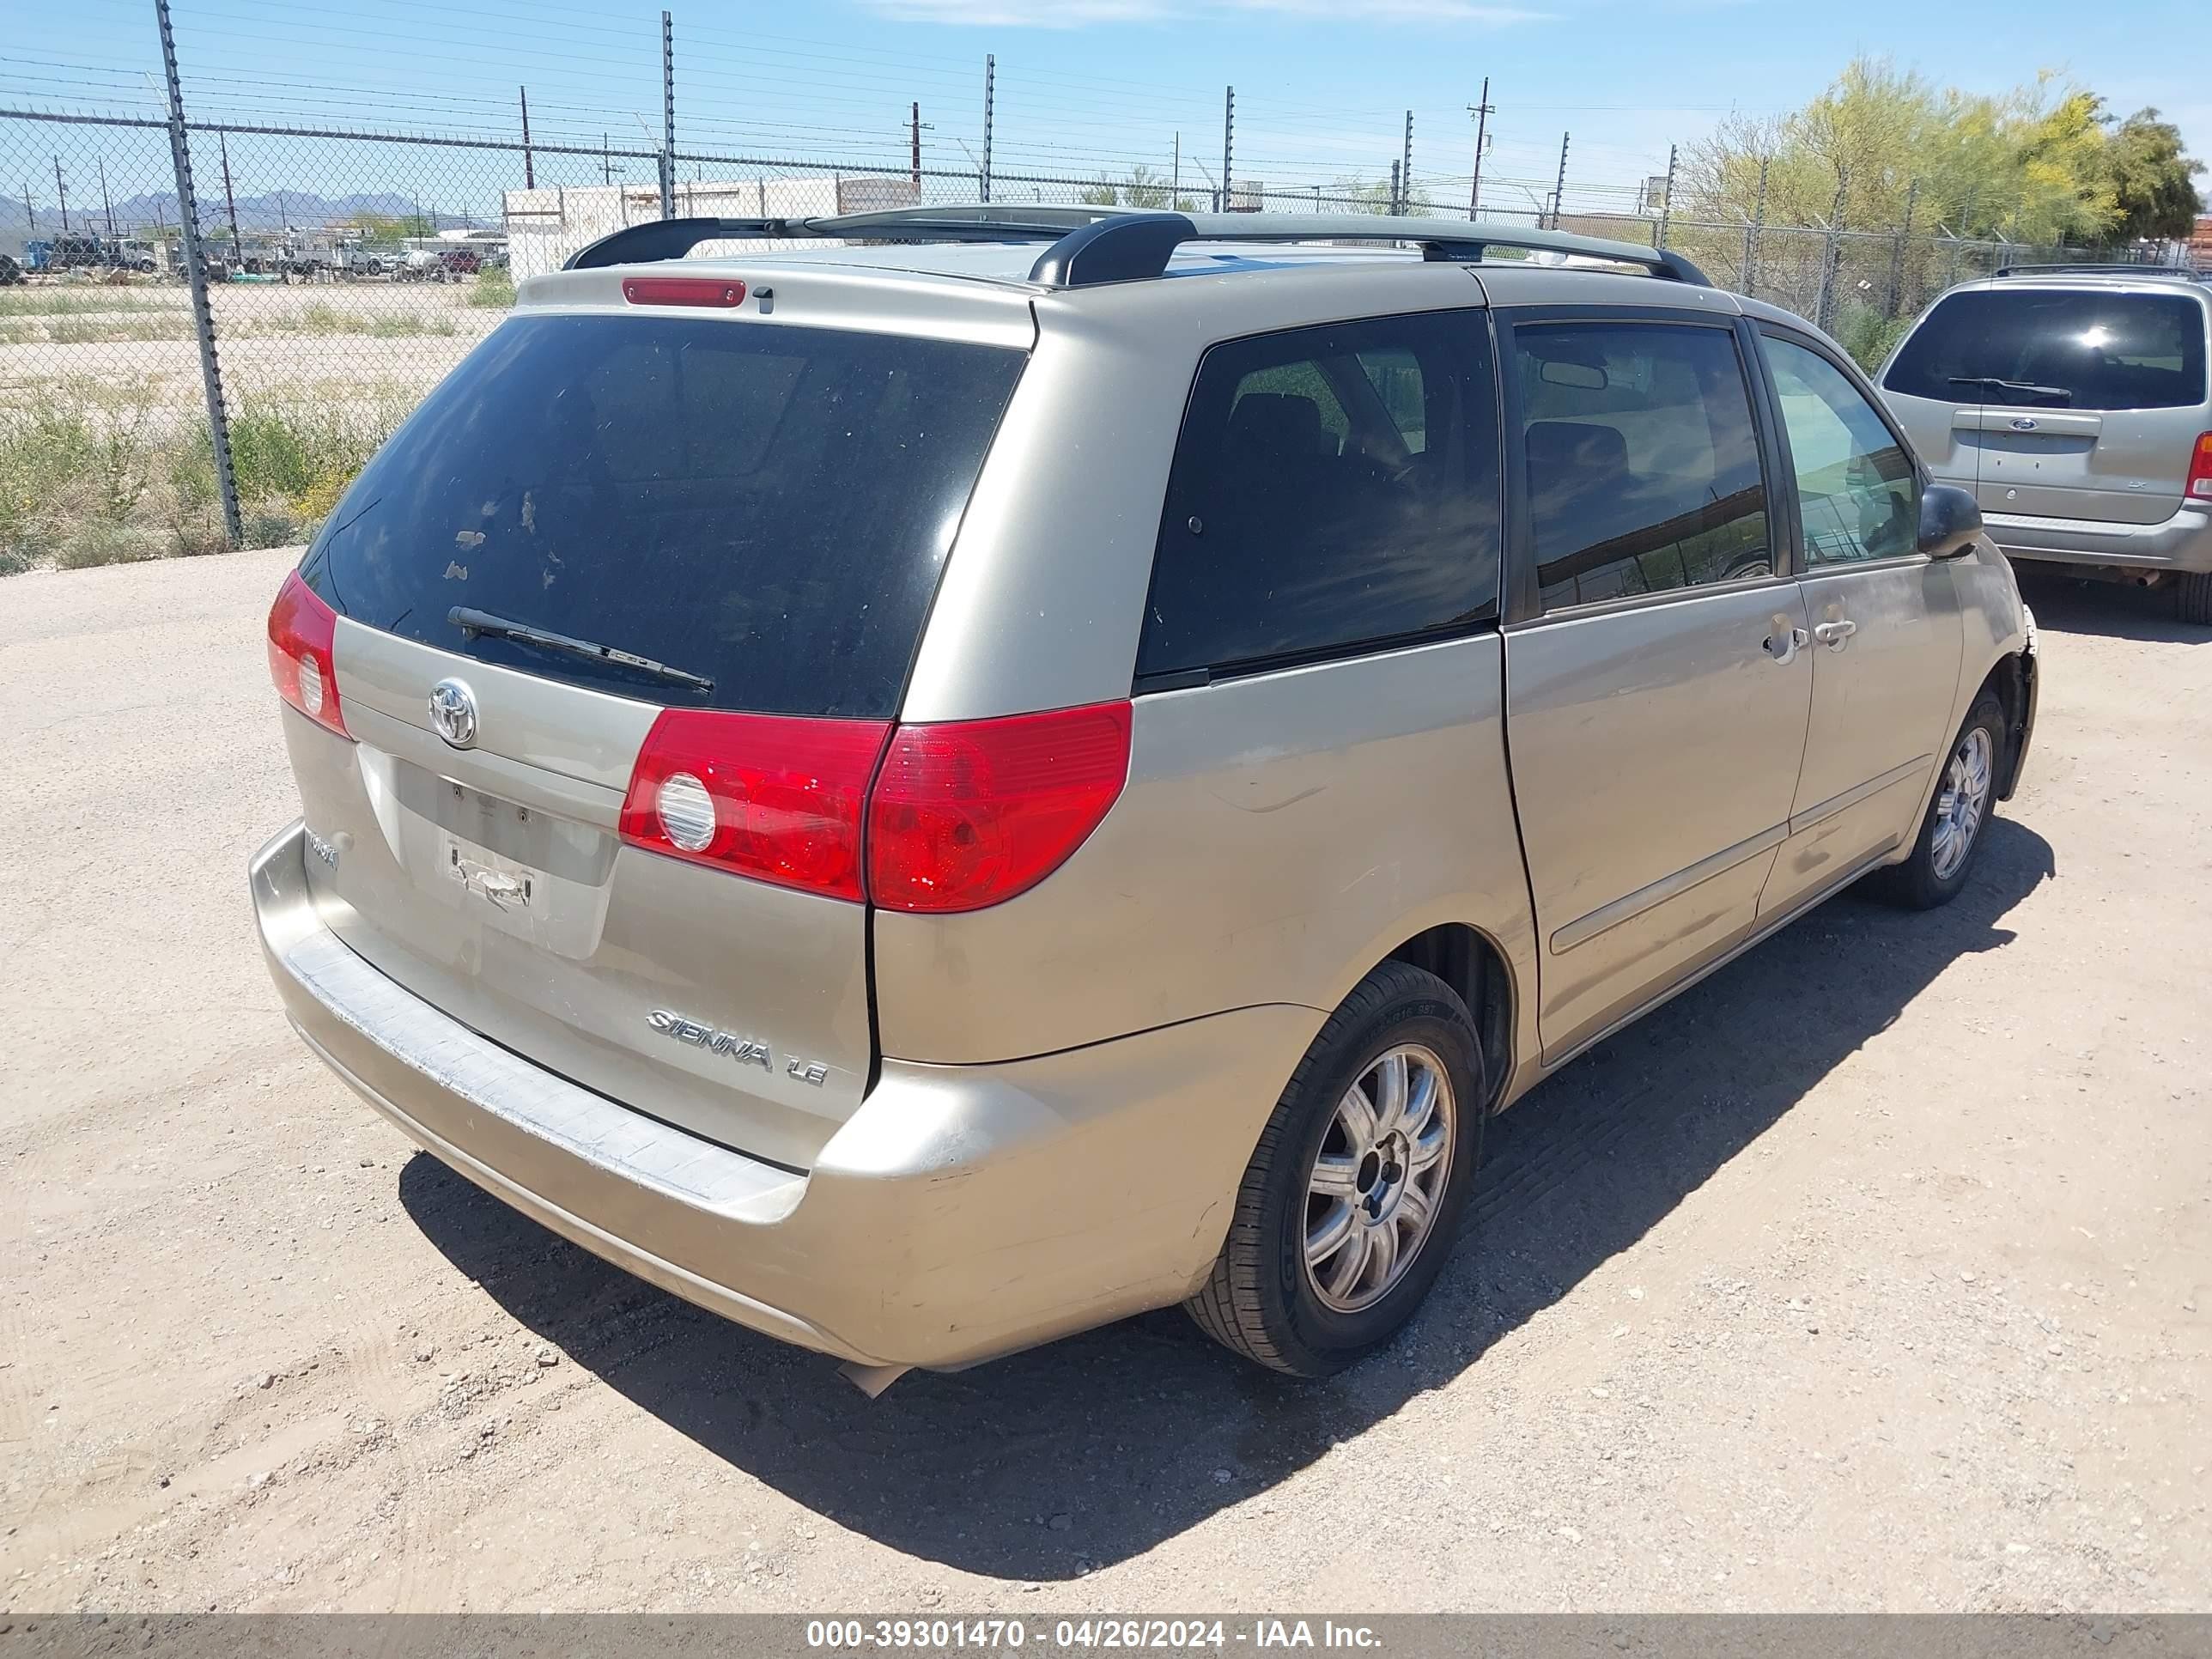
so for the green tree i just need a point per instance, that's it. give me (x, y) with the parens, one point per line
(383, 230)
(1102, 194)
(1145, 189)
(1353, 195)
(2032, 164)
(2154, 183)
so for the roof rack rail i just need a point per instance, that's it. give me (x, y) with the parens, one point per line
(1132, 245)
(1091, 246)
(671, 239)
(2115, 268)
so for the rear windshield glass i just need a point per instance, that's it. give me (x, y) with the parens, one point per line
(2057, 350)
(764, 507)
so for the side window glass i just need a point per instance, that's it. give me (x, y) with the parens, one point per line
(1395, 374)
(1334, 488)
(1644, 468)
(1857, 490)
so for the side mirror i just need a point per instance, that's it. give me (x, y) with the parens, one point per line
(1950, 519)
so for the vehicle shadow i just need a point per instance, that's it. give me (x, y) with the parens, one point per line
(1096, 1447)
(2071, 605)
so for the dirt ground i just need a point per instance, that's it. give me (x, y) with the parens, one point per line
(1875, 1272)
(350, 341)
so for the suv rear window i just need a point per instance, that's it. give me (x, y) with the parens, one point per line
(1334, 491)
(2052, 348)
(766, 507)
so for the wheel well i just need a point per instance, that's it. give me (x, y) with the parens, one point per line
(1473, 966)
(2007, 679)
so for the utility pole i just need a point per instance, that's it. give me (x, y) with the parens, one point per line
(1228, 143)
(1175, 176)
(529, 164)
(916, 167)
(180, 157)
(1667, 201)
(1560, 190)
(1406, 169)
(667, 116)
(61, 191)
(230, 201)
(990, 92)
(107, 207)
(1481, 113)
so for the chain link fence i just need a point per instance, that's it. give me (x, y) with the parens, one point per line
(347, 271)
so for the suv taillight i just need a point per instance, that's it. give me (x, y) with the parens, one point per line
(970, 813)
(775, 797)
(962, 815)
(300, 630)
(2199, 487)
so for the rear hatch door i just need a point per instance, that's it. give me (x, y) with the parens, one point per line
(763, 508)
(2090, 400)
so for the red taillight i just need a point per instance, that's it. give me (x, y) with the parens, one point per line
(770, 796)
(2199, 487)
(971, 813)
(712, 291)
(300, 630)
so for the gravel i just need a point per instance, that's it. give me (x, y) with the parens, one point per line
(1973, 1148)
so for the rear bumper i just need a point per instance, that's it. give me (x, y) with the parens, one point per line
(962, 1211)
(2183, 542)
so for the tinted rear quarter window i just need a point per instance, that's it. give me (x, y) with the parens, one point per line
(1644, 463)
(769, 507)
(2057, 348)
(1334, 488)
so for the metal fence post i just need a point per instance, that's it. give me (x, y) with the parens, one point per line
(1897, 254)
(990, 97)
(1228, 143)
(1667, 201)
(1397, 201)
(1754, 235)
(1831, 253)
(188, 212)
(667, 116)
(1406, 169)
(1560, 190)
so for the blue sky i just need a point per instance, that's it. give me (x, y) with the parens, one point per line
(1091, 86)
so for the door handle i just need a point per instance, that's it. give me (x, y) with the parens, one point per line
(1835, 634)
(1785, 642)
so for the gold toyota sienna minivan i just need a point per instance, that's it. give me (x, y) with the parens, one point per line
(1024, 765)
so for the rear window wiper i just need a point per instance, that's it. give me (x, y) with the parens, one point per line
(2048, 394)
(473, 622)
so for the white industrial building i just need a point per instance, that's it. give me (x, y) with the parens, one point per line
(544, 225)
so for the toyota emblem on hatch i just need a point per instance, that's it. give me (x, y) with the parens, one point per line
(454, 712)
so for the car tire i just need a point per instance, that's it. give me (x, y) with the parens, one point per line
(2192, 598)
(1938, 868)
(1263, 1299)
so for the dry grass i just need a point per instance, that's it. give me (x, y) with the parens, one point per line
(89, 475)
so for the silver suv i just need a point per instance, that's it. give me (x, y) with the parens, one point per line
(2073, 401)
(930, 794)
